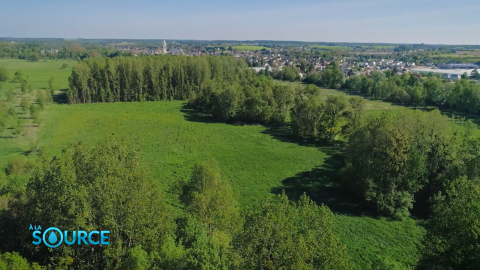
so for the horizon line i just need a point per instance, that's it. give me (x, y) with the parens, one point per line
(241, 40)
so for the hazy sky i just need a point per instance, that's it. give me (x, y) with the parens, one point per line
(400, 21)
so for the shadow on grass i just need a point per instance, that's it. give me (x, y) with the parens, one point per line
(285, 134)
(193, 116)
(61, 98)
(322, 185)
(474, 118)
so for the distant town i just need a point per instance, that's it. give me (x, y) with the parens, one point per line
(448, 61)
(261, 58)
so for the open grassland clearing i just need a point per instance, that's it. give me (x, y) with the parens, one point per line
(20, 134)
(38, 73)
(333, 48)
(249, 48)
(472, 53)
(256, 160)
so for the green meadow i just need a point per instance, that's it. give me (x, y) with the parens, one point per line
(173, 141)
(256, 160)
(249, 48)
(37, 74)
(326, 47)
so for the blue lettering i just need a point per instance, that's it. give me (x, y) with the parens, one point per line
(73, 238)
(36, 237)
(104, 238)
(82, 236)
(31, 228)
(90, 238)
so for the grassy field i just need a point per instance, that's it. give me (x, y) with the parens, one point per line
(38, 75)
(461, 56)
(123, 43)
(473, 53)
(333, 48)
(369, 238)
(256, 160)
(252, 160)
(380, 47)
(249, 48)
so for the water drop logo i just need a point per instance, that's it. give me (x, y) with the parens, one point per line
(52, 238)
(53, 241)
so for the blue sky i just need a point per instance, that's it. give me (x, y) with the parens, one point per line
(401, 21)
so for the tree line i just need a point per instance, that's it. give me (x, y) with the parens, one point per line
(220, 86)
(463, 95)
(151, 78)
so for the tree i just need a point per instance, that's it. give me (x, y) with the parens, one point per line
(475, 75)
(333, 109)
(452, 232)
(137, 259)
(465, 76)
(314, 78)
(290, 74)
(24, 86)
(353, 83)
(64, 66)
(34, 110)
(280, 234)
(353, 115)
(433, 89)
(34, 57)
(284, 97)
(228, 103)
(200, 251)
(51, 82)
(15, 261)
(391, 158)
(4, 76)
(306, 115)
(387, 264)
(10, 95)
(25, 104)
(80, 172)
(211, 200)
(333, 76)
(41, 99)
(18, 77)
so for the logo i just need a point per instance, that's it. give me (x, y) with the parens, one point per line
(53, 237)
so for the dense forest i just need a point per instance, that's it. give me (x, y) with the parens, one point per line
(395, 165)
(151, 78)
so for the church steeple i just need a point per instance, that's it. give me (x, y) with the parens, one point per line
(164, 49)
